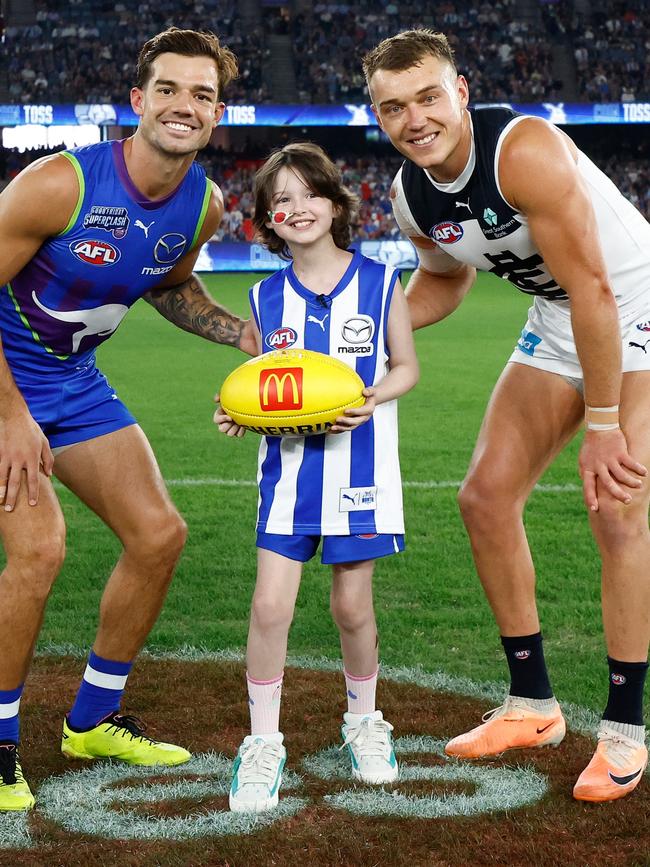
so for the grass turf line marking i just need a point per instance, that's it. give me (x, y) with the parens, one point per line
(496, 789)
(426, 485)
(81, 801)
(14, 831)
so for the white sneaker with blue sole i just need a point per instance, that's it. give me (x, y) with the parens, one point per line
(370, 746)
(257, 774)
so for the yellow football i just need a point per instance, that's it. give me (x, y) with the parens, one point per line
(290, 392)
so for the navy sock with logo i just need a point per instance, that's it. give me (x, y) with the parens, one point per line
(626, 681)
(528, 675)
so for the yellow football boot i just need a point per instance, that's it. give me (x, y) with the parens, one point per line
(120, 737)
(15, 794)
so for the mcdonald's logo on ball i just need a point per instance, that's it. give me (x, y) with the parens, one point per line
(291, 392)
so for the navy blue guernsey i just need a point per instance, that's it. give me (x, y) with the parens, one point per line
(117, 245)
(474, 223)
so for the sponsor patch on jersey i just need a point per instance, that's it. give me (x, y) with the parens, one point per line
(619, 679)
(357, 332)
(169, 248)
(281, 338)
(108, 218)
(447, 232)
(528, 342)
(357, 499)
(643, 326)
(95, 252)
(161, 269)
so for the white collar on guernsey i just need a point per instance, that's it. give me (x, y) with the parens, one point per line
(460, 182)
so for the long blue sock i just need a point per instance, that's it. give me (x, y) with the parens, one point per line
(100, 692)
(9, 704)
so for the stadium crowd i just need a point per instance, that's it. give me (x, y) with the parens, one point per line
(369, 177)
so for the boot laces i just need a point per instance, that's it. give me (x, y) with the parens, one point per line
(260, 762)
(620, 749)
(125, 724)
(371, 737)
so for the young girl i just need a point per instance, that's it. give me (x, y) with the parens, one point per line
(344, 486)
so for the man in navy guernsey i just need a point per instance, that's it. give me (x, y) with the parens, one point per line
(500, 192)
(83, 235)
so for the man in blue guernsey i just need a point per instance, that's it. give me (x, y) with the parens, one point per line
(83, 235)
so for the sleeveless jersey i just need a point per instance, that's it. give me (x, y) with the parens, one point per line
(470, 220)
(117, 245)
(338, 484)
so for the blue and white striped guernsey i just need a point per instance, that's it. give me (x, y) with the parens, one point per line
(339, 484)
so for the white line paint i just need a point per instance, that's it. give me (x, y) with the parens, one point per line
(426, 485)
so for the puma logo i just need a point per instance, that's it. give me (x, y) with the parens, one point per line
(98, 321)
(640, 345)
(318, 321)
(464, 205)
(144, 228)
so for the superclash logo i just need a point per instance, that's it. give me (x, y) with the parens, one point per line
(95, 252)
(109, 219)
(281, 338)
(447, 232)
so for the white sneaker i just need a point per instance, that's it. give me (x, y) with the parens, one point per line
(370, 744)
(257, 774)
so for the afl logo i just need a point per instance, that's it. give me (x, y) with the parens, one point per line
(644, 326)
(281, 338)
(522, 654)
(619, 679)
(169, 248)
(447, 233)
(95, 252)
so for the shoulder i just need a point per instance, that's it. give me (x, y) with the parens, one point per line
(52, 179)
(535, 156)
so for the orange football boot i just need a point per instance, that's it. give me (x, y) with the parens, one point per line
(514, 725)
(614, 771)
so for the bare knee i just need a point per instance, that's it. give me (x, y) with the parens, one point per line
(350, 613)
(484, 504)
(616, 526)
(36, 564)
(161, 541)
(269, 613)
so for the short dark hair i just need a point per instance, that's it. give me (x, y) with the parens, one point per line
(407, 49)
(321, 175)
(190, 43)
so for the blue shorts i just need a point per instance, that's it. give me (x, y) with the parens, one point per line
(76, 406)
(336, 549)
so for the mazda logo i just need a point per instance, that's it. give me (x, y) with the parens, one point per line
(358, 329)
(169, 248)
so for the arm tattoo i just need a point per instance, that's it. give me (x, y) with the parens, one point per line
(189, 306)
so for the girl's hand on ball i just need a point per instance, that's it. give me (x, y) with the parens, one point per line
(225, 424)
(354, 417)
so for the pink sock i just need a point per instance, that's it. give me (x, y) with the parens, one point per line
(361, 692)
(264, 704)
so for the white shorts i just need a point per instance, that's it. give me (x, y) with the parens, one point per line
(547, 342)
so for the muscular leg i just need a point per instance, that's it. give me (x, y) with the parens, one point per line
(118, 478)
(34, 543)
(623, 537)
(530, 418)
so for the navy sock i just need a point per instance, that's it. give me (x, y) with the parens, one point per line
(9, 704)
(625, 702)
(100, 692)
(528, 675)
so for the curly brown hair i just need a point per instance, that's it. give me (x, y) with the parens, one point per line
(320, 174)
(189, 43)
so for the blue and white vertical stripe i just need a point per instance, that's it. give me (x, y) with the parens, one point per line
(302, 479)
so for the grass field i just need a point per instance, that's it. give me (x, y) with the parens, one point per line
(430, 606)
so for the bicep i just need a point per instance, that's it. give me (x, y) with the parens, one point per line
(399, 334)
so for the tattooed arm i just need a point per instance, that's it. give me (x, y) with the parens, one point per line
(183, 299)
(189, 306)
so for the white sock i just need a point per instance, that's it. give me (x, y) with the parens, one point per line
(361, 692)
